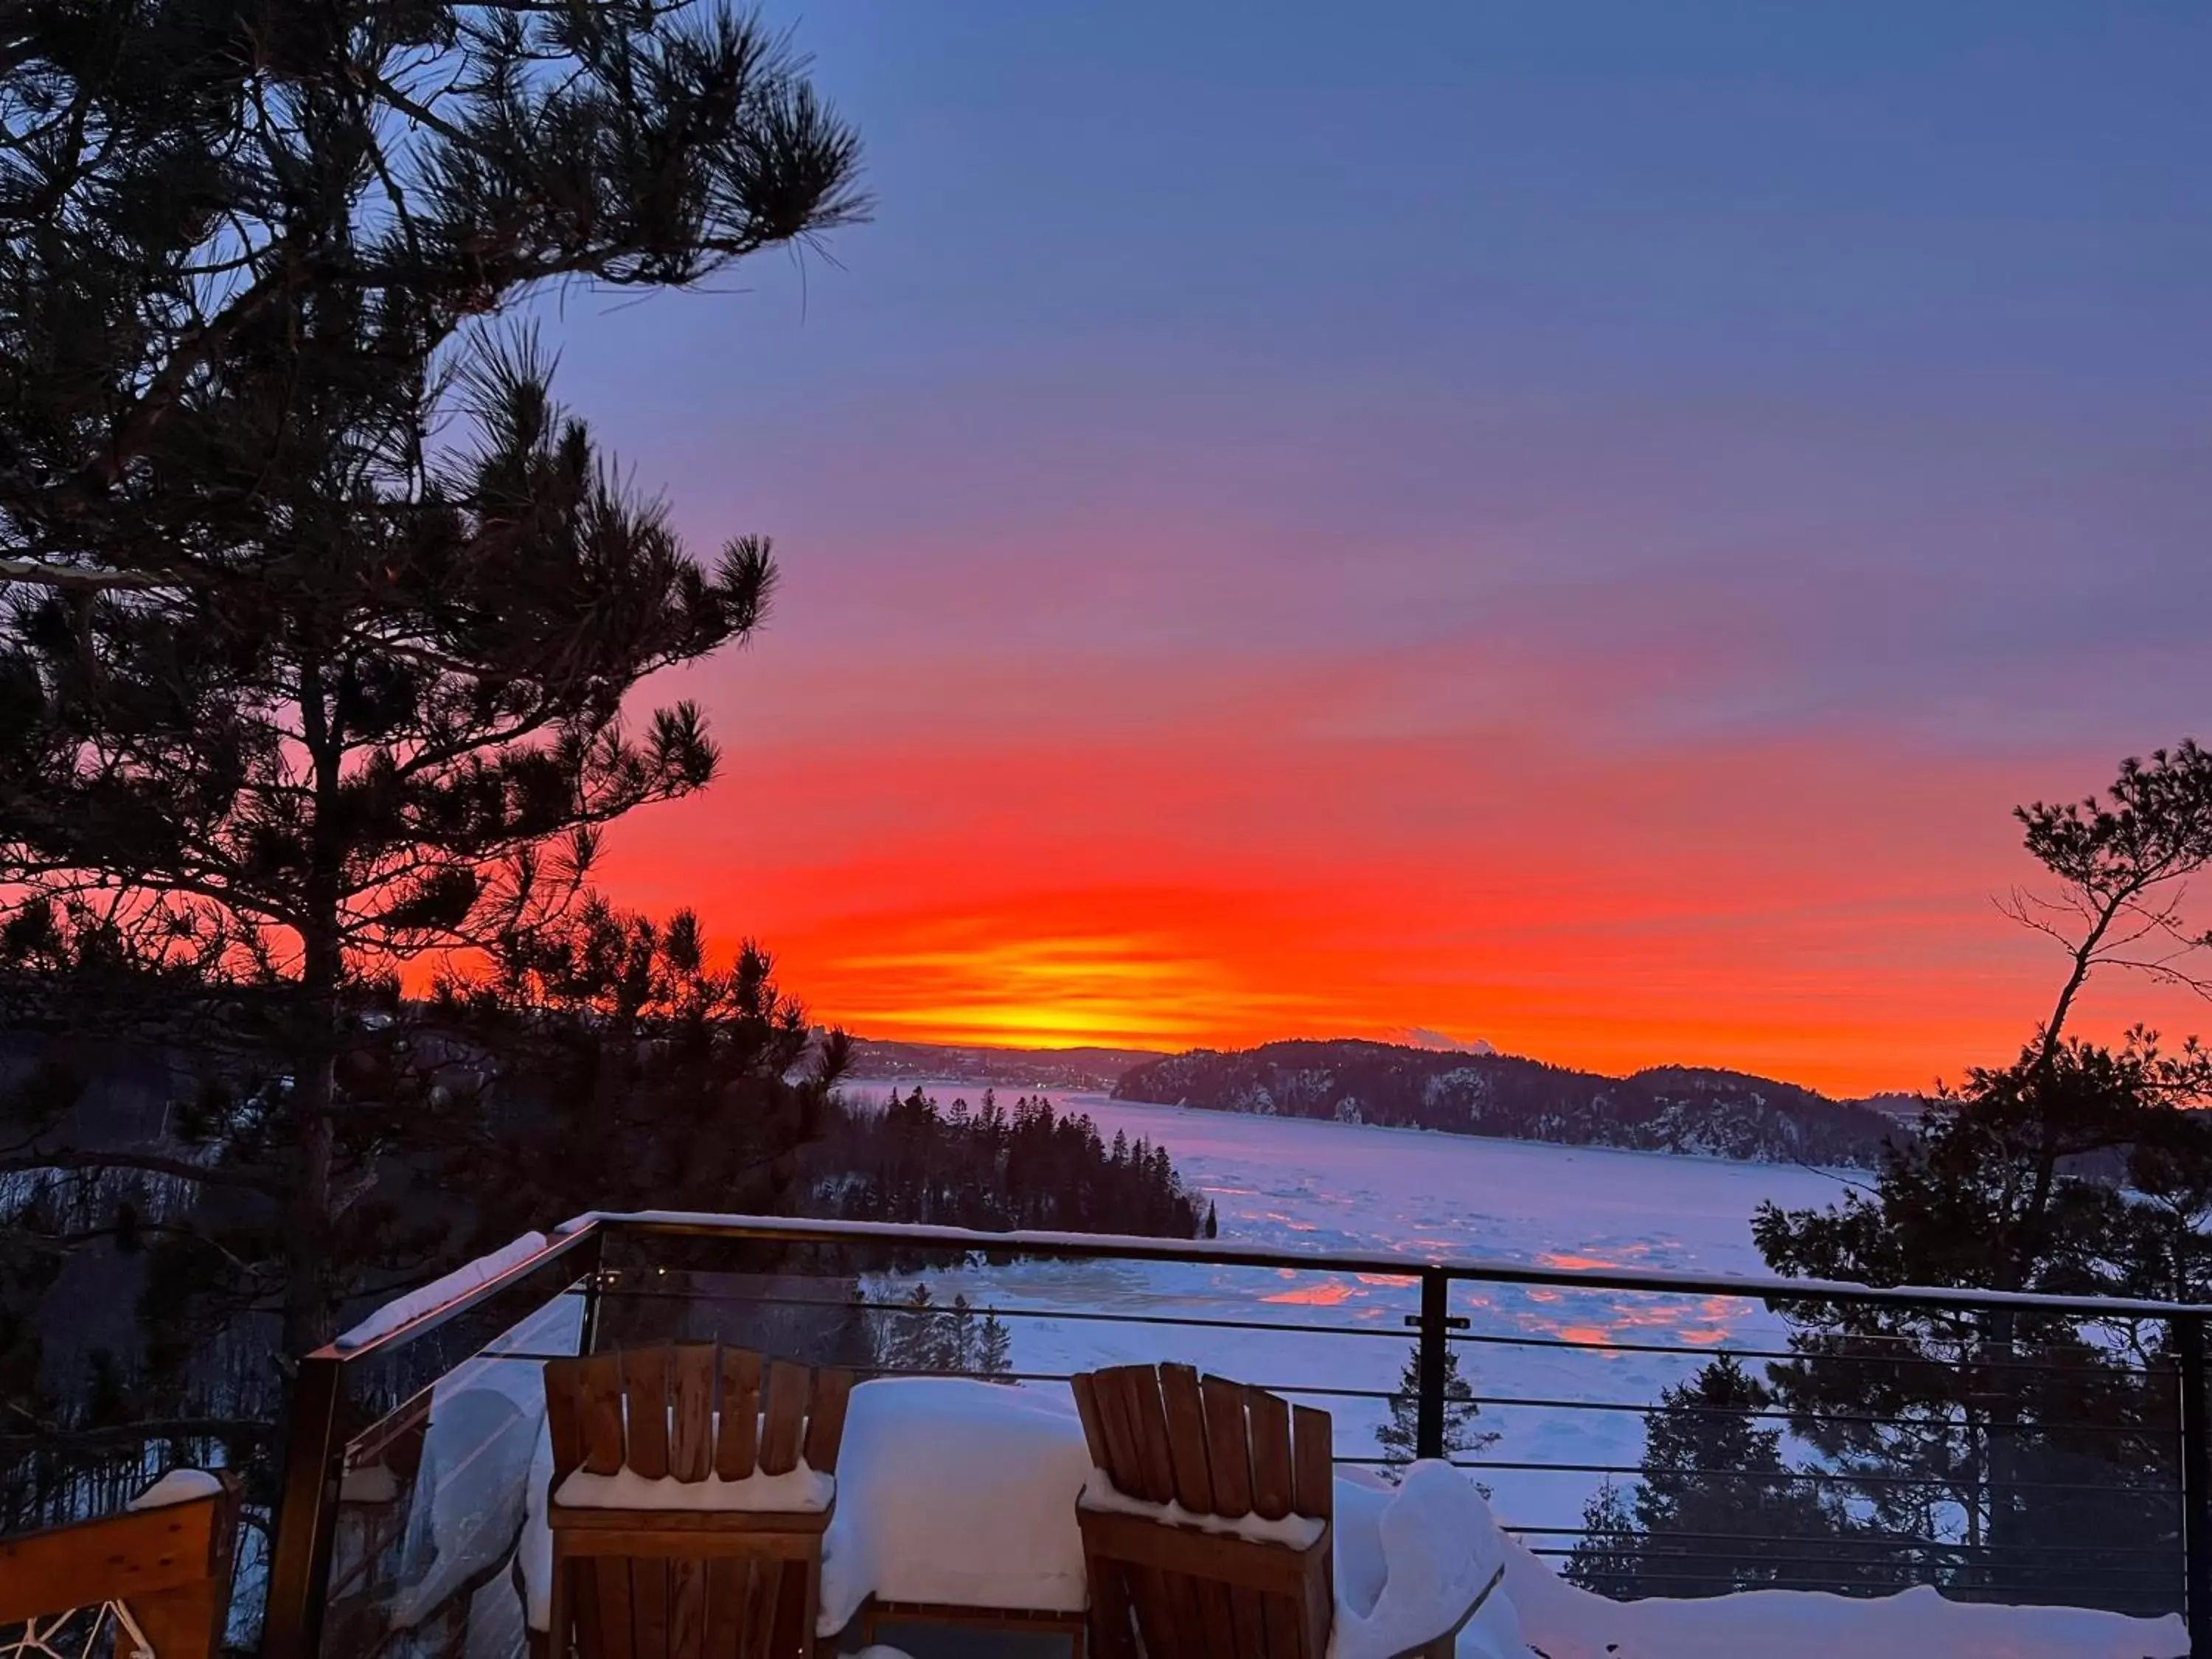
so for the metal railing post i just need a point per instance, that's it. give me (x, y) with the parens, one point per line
(2196, 1485)
(595, 1280)
(1429, 1423)
(306, 1516)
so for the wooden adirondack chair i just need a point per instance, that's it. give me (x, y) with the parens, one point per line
(689, 1579)
(1169, 1590)
(159, 1578)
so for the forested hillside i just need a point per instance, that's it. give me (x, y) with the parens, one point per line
(1667, 1108)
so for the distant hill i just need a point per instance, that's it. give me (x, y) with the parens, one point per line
(1674, 1109)
(1034, 1068)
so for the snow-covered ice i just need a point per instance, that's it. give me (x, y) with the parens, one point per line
(1330, 1187)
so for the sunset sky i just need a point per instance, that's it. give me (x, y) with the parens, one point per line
(1569, 525)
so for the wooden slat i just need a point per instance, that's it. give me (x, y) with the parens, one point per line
(783, 1417)
(726, 1583)
(1270, 1417)
(1117, 1421)
(645, 1384)
(563, 1381)
(1186, 1420)
(583, 1583)
(1151, 1424)
(757, 1641)
(687, 1610)
(737, 1448)
(1227, 1455)
(649, 1607)
(599, 1412)
(1110, 1608)
(1086, 1407)
(1313, 1470)
(610, 1578)
(691, 1433)
(1214, 1618)
(794, 1607)
(1283, 1628)
(1248, 1609)
(1272, 1568)
(825, 1419)
(139, 1553)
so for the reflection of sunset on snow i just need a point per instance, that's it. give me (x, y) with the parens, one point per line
(1331, 1187)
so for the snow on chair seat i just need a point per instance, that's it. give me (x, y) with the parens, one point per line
(1207, 1527)
(690, 1490)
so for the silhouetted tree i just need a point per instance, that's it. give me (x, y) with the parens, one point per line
(1400, 1434)
(2077, 1168)
(1716, 1509)
(320, 613)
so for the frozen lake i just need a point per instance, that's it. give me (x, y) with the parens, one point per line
(1327, 1187)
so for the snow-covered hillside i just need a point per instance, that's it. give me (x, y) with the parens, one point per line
(1676, 1108)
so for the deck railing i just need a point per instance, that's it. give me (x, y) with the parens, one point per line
(2028, 1448)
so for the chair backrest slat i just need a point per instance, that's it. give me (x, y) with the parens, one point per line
(1271, 1454)
(645, 1387)
(737, 1449)
(1155, 1458)
(1117, 1408)
(1313, 1473)
(599, 1410)
(783, 1421)
(1086, 1391)
(1185, 1418)
(691, 1429)
(564, 1425)
(1227, 1454)
(825, 1421)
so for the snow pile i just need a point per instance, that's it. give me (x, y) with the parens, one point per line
(430, 1297)
(178, 1486)
(1410, 1561)
(1297, 1531)
(1567, 1623)
(960, 1492)
(797, 1490)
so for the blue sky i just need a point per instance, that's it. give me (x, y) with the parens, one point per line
(1629, 386)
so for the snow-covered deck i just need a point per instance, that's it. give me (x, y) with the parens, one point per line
(958, 1492)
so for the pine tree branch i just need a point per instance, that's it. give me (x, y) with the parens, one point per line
(79, 578)
(249, 1180)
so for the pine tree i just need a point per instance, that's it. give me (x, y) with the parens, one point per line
(320, 612)
(994, 1350)
(1608, 1558)
(2078, 1169)
(1400, 1436)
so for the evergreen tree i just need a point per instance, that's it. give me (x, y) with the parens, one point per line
(320, 613)
(994, 1350)
(2077, 1168)
(1607, 1559)
(1400, 1436)
(633, 1073)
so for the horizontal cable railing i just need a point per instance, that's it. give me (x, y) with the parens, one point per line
(1965, 1455)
